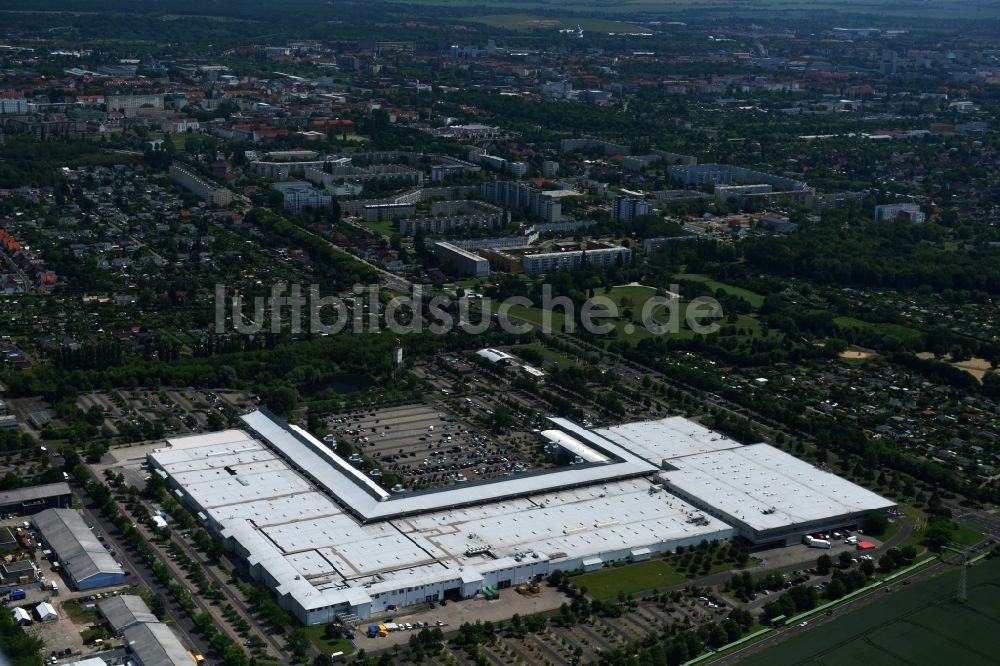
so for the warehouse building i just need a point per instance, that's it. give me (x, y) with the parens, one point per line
(125, 610)
(770, 496)
(331, 542)
(155, 644)
(31, 500)
(84, 558)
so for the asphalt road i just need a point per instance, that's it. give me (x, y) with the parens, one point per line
(142, 575)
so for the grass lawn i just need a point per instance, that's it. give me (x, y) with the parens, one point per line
(754, 299)
(384, 227)
(629, 579)
(78, 614)
(315, 634)
(918, 520)
(895, 330)
(968, 534)
(468, 283)
(561, 360)
(638, 577)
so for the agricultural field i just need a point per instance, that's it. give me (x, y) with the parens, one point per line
(920, 624)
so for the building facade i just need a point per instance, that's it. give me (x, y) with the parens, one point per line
(530, 199)
(627, 209)
(201, 188)
(463, 261)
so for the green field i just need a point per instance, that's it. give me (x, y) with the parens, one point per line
(384, 227)
(629, 579)
(561, 360)
(919, 624)
(968, 534)
(894, 330)
(315, 634)
(754, 299)
(638, 577)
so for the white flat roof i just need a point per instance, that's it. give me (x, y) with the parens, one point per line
(574, 446)
(765, 488)
(322, 555)
(666, 439)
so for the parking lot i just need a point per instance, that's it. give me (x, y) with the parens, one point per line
(174, 412)
(453, 615)
(426, 445)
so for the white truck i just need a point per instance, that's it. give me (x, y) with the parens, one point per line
(813, 542)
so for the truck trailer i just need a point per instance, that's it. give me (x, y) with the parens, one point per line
(813, 542)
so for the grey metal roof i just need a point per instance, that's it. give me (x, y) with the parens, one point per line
(125, 610)
(155, 644)
(80, 552)
(19, 495)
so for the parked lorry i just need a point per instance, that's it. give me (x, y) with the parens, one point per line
(813, 542)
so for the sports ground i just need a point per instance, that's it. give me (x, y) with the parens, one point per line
(919, 624)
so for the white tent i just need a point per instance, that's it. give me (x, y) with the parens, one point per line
(46, 612)
(21, 616)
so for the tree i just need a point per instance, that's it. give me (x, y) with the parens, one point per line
(836, 589)
(823, 564)
(298, 641)
(876, 523)
(844, 559)
(282, 400)
(938, 535)
(158, 604)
